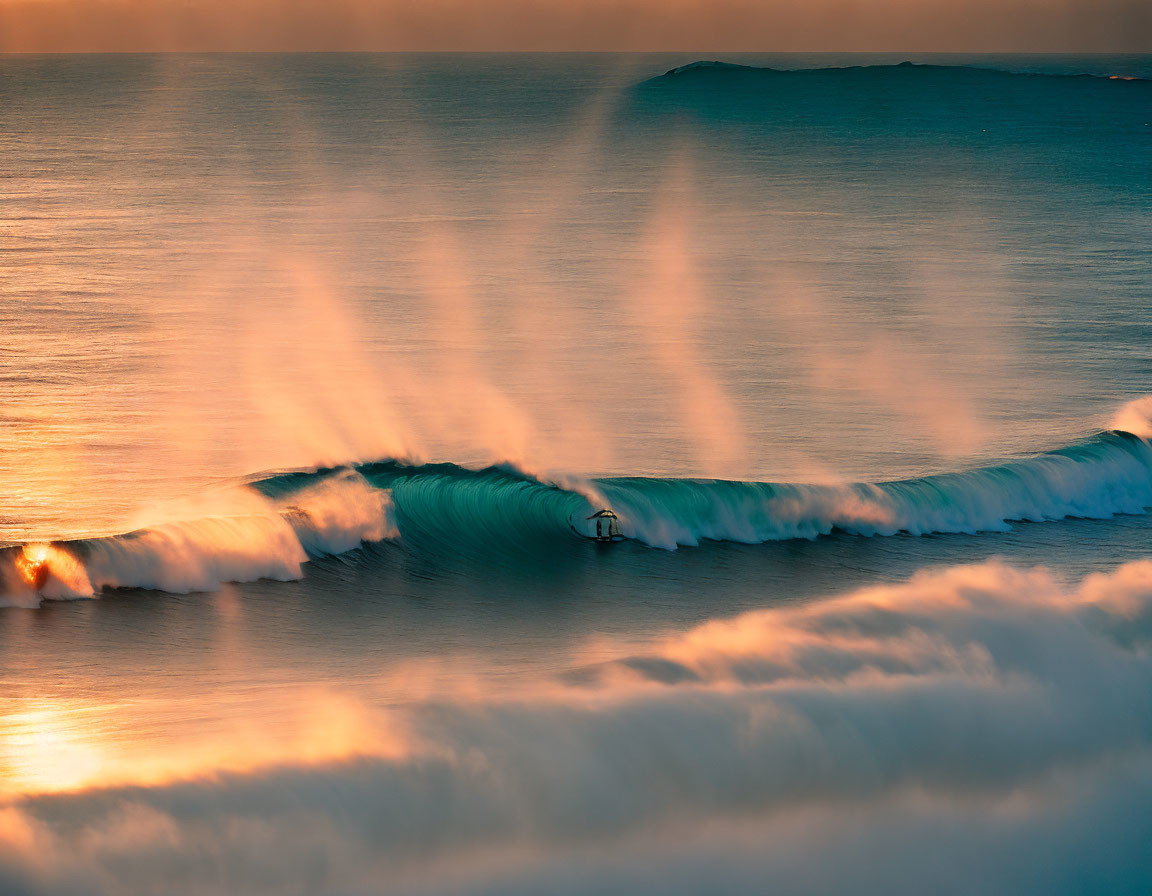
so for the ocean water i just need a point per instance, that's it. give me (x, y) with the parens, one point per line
(315, 368)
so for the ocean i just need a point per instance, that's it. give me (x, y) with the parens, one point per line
(316, 368)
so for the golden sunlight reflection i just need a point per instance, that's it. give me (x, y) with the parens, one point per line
(51, 572)
(53, 745)
(47, 747)
(32, 563)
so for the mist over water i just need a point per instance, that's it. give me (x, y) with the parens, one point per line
(313, 369)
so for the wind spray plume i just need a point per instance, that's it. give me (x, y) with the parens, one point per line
(1135, 417)
(670, 308)
(861, 360)
(311, 375)
(559, 343)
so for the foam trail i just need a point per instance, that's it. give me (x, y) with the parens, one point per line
(963, 699)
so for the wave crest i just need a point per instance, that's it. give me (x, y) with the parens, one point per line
(500, 510)
(253, 537)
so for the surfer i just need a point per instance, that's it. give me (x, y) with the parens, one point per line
(607, 526)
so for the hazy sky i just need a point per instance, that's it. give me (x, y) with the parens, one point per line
(924, 25)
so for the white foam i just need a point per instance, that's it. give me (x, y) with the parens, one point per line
(248, 537)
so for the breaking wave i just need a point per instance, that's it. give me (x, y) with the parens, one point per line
(250, 537)
(1098, 478)
(290, 518)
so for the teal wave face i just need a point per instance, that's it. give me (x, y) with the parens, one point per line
(451, 506)
(499, 511)
(496, 507)
(1108, 474)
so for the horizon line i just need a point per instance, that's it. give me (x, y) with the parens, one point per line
(302, 52)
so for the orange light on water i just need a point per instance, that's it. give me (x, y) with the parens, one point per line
(33, 565)
(44, 749)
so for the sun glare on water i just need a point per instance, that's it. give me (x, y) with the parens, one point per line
(33, 565)
(52, 572)
(43, 751)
